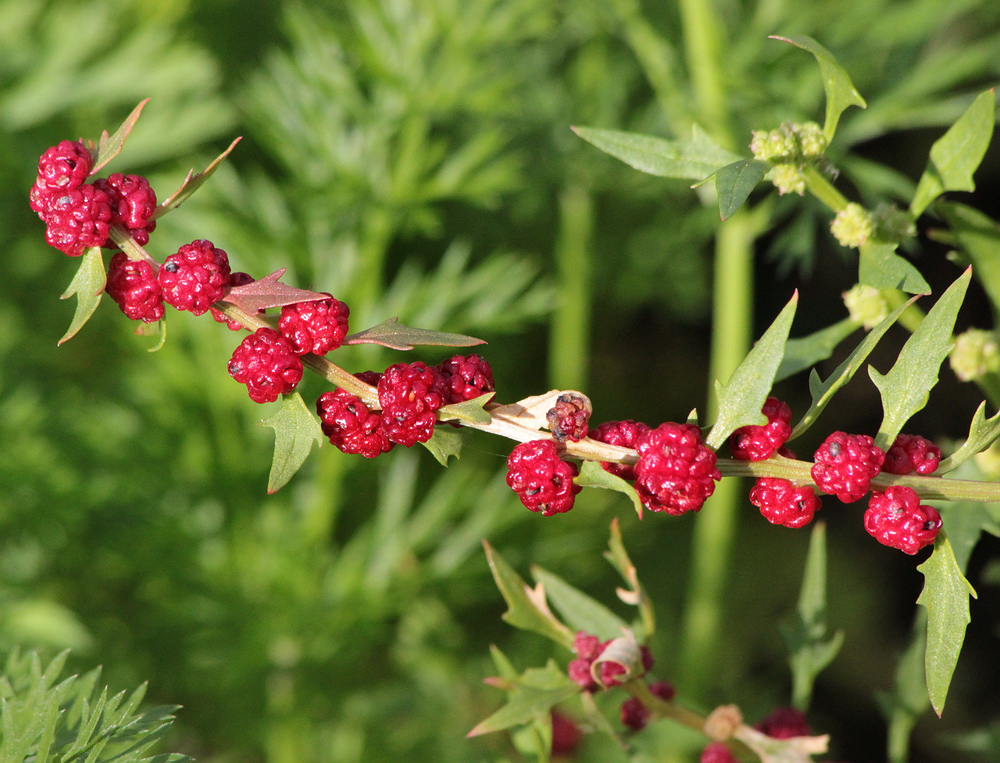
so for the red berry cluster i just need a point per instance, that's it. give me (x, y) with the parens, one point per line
(588, 649)
(542, 480)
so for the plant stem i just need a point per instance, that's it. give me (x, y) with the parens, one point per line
(823, 189)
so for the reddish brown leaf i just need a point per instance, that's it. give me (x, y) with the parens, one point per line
(192, 183)
(268, 292)
(108, 147)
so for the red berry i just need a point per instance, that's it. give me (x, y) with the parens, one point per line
(542, 480)
(317, 327)
(195, 277)
(465, 377)
(717, 752)
(566, 735)
(635, 715)
(266, 364)
(586, 646)
(62, 168)
(625, 434)
(676, 471)
(78, 219)
(783, 723)
(845, 465)
(238, 278)
(350, 425)
(784, 503)
(409, 394)
(759, 442)
(569, 418)
(896, 518)
(132, 204)
(912, 453)
(133, 285)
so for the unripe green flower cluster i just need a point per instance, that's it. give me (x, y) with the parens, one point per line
(853, 225)
(866, 305)
(975, 354)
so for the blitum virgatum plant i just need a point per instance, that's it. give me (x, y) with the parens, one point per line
(669, 468)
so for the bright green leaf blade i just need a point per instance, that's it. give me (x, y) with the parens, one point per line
(905, 388)
(192, 183)
(469, 410)
(526, 607)
(946, 596)
(879, 266)
(692, 159)
(108, 147)
(805, 352)
(979, 238)
(444, 444)
(295, 431)
(743, 396)
(592, 475)
(534, 695)
(823, 391)
(578, 610)
(735, 182)
(394, 335)
(956, 155)
(983, 432)
(840, 91)
(88, 286)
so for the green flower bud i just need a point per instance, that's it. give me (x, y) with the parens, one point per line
(769, 145)
(811, 139)
(852, 226)
(787, 178)
(975, 354)
(866, 305)
(892, 223)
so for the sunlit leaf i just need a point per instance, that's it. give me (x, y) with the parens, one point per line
(593, 475)
(983, 432)
(295, 431)
(840, 91)
(468, 410)
(742, 397)
(956, 155)
(394, 335)
(88, 286)
(946, 596)
(904, 389)
(108, 147)
(444, 444)
(192, 183)
(267, 292)
(879, 266)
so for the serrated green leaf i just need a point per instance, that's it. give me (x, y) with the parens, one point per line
(956, 155)
(533, 695)
(905, 388)
(692, 159)
(807, 351)
(527, 608)
(192, 183)
(636, 595)
(946, 596)
(88, 286)
(840, 91)
(578, 610)
(908, 700)
(735, 182)
(810, 646)
(983, 432)
(295, 431)
(743, 396)
(823, 391)
(978, 236)
(108, 147)
(394, 335)
(444, 444)
(879, 266)
(469, 410)
(593, 475)
(965, 522)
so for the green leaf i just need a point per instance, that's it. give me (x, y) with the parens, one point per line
(956, 155)
(908, 700)
(692, 159)
(881, 267)
(88, 286)
(735, 182)
(983, 432)
(840, 91)
(444, 444)
(109, 147)
(527, 608)
(946, 596)
(593, 475)
(905, 388)
(531, 696)
(191, 184)
(636, 595)
(810, 647)
(807, 351)
(469, 410)
(578, 610)
(295, 431)
(743, 396)
(978, 236)
(823, 391)
(392, 334)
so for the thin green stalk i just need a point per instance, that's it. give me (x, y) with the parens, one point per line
(569, 335)
(703, 38)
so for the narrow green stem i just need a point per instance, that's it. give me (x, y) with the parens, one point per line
(703, 38)
(820, 187)
(569, 336)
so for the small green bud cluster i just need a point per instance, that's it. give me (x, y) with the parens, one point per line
(975, 354)
(787, 148)
(853, 225)
(866, 305)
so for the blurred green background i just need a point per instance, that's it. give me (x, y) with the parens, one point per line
(414, 158)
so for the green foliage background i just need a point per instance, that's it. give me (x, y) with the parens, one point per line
(414, 158)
